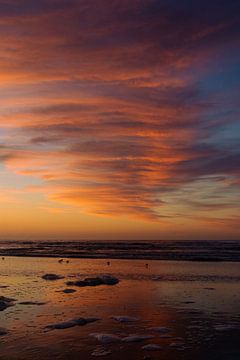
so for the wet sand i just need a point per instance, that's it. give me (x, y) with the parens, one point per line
(159, 309)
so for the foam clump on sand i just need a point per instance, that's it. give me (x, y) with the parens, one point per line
(52, 277)
(32, 303)
(71, 323)
(95, 281)
(6, 302)
(136, 338)
(177, 344)
(124, 319)
(106, 338)
(152, 347)
(160, 329)
(111, 338)
(101, 352)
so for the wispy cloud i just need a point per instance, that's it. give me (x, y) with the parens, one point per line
(113, 104)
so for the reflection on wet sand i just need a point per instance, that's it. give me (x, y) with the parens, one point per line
(155, 310)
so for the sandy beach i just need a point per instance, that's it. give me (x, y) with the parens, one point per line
(159, 309)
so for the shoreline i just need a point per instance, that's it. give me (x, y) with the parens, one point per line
(111, 257)
(202, 251)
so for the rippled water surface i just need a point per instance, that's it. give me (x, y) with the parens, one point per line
(198, 302)
(201, 250)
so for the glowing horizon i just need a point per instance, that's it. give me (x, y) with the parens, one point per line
(119, 120)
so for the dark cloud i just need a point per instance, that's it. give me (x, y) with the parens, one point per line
(218, 164)
(14, 8)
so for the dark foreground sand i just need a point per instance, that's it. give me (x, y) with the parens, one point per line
(163, 310)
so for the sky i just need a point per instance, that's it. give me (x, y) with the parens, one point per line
(119, 119)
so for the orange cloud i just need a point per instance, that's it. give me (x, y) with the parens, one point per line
(110, 106)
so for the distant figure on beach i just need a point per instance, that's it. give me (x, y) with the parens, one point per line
(67, 261)
(146, 266)
(3, 258)
(108, 263)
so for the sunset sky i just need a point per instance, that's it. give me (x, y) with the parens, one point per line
(119, 119)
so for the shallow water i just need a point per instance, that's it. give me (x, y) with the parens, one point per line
(198, 302)
(154, 250)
